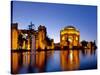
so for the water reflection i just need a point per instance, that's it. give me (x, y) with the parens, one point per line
(19, 60)
(69, 59)
(88, 52)
(47, 61)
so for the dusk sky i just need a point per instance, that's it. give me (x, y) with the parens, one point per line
(57, 16)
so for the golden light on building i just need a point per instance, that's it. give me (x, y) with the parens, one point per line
(42, 37)
(15, 42)
(14, 36)
(20, 38)
(69, 36)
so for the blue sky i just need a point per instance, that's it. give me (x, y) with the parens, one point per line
(57, 16)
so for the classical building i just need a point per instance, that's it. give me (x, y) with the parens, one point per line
(42, 37)
(14, 36)
(42, 40)
(20, 39)
(69, 37)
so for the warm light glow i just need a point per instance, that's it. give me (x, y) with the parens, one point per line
(76, 38)
(63, 38)
(71, 34)
(70, 59)
(71, 55)
(14, 39)
(70, 39)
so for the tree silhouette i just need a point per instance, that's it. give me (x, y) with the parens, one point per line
(84, 43)
(49, 41)
(93, 44)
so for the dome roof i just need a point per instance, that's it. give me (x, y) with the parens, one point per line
(70, 27)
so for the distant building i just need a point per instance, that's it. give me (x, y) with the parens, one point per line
(20, 38)
(69, 37)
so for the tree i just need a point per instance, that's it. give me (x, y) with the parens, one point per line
(84, 43)
(48, 41)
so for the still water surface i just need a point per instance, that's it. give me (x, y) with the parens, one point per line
(51, 61)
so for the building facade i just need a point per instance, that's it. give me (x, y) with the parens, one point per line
(42, 37)
(14, 36)
(69, 37)
(21, 39)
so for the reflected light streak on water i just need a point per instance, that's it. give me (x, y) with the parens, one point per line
(51, 61)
